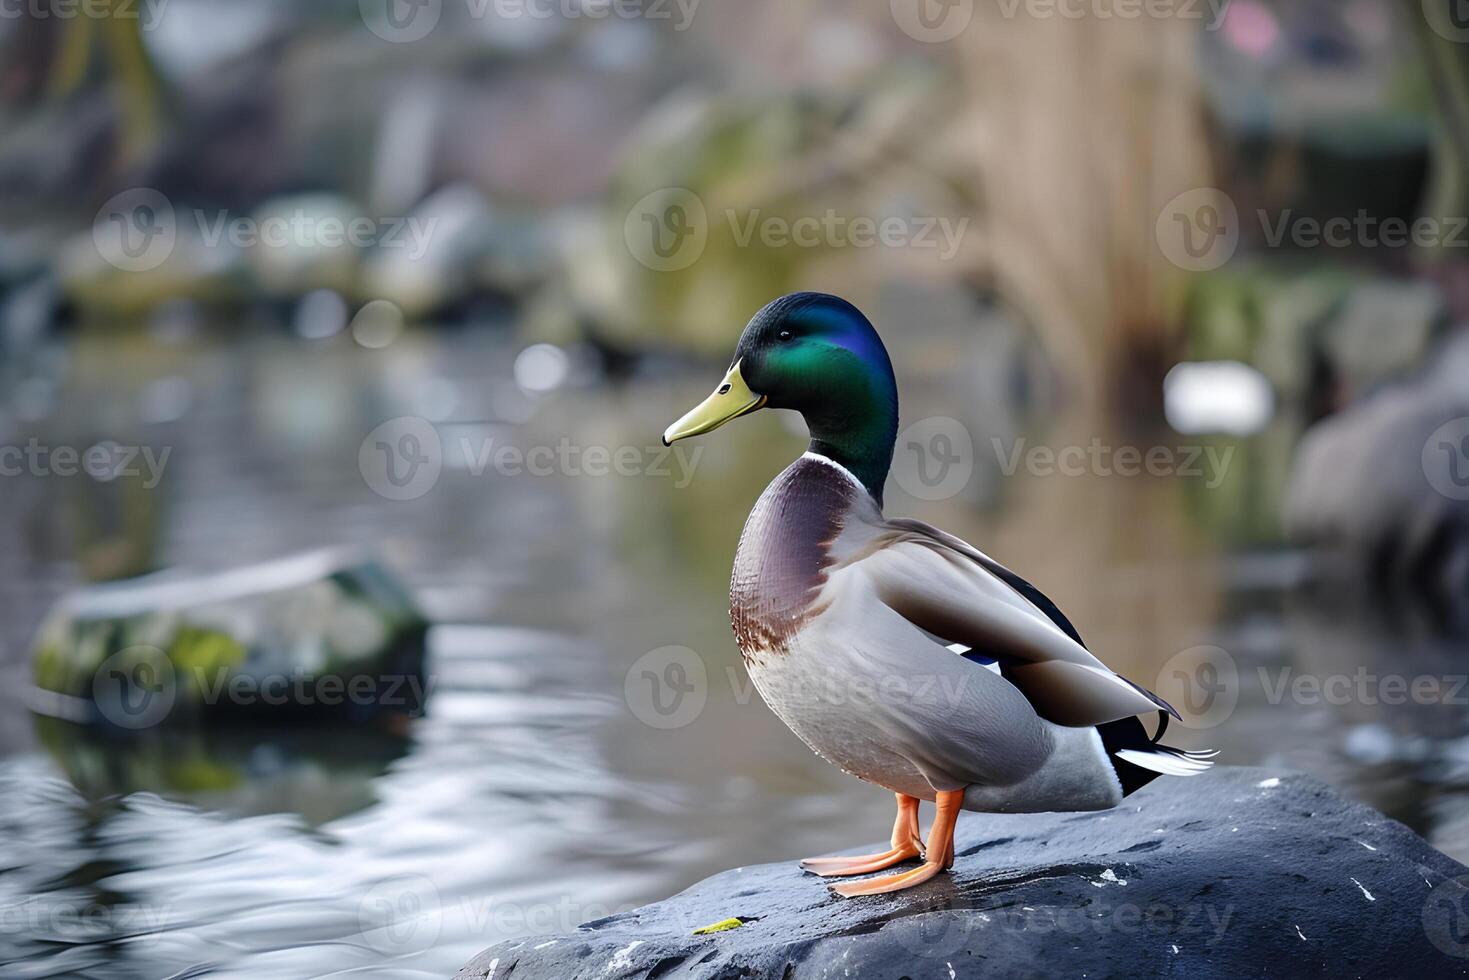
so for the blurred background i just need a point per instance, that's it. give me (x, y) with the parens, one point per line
(336, 340)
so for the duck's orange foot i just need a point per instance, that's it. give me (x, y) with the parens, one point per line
(861, 864)
(940, 854)
(906, 845)
(889, 883)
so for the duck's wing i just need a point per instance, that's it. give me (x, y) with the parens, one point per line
(954, 591)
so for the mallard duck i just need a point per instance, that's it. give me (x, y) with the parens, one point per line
(898, 652)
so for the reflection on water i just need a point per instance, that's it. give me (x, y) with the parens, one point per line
(320, 773)
(531, 797)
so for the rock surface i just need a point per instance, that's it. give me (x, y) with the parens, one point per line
(1239, 872)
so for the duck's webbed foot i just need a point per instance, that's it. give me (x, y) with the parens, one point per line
(940, 854)
(906, 846)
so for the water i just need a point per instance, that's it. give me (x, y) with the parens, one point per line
(535, 795)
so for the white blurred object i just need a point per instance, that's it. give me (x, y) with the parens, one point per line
(166, 400)
(436, 398)
(377, 324)
(320, 314)
(403, 162)
(427, 258)
(540, 368)
(299, 243)
(1217, 396)
(200, 33)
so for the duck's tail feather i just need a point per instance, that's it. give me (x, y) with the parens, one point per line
(1138, 759)
(1168, 762)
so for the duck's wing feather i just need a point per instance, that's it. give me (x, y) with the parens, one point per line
(952, 590)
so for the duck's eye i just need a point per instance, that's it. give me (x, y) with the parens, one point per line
(724, 389)
(783, 336)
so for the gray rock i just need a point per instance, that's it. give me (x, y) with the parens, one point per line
(1239, 872)
(1384, 483)
(321, 635)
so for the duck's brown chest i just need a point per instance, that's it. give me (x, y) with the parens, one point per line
(784, 554)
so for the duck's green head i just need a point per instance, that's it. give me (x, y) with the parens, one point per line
(816, 354)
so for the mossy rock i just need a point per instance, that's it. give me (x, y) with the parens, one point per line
(316, 637)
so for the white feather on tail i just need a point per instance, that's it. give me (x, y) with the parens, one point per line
(1169, 762)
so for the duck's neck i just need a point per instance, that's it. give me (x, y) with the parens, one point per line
(859, 435)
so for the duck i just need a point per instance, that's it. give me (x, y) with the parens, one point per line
(896, 651)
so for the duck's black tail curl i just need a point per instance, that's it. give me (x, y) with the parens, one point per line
(1139, 759)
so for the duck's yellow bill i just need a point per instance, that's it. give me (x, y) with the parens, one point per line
(730, 400)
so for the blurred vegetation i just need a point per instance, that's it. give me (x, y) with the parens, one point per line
(1054, 142)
